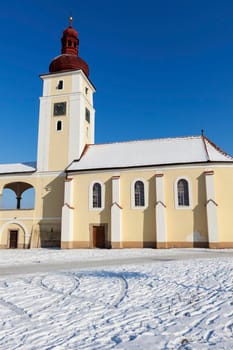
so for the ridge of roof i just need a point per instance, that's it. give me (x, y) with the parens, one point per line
(146, 140)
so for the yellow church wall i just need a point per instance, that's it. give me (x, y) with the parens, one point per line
(138, 224)
(50, 196)
(186, 224)
(49, 193)
(185, 227)
(58, 160)
(32, 233)
(85, 87)
(223, 179)
(87, 133)
(77, 93)
(67, 84)
(16, 213)
(44, 220)
(87, 92)
(23, 239)
(84, 216)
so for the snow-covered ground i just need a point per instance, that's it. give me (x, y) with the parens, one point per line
(162, 300)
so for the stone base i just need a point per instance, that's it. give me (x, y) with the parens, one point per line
(3, 246)
(116, 245)
(75, 245)
(23, 246)
(20, 246)
(186, 245)
(220, 245)
(161, 245)
(138, 244)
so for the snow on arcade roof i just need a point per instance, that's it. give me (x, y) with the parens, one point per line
(180, 150)
(17, 168)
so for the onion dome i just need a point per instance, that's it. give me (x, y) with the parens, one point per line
(69, 59)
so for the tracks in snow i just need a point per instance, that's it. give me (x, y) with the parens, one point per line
(180, 304)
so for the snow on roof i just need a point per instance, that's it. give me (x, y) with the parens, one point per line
(181, 150)
(17, 168)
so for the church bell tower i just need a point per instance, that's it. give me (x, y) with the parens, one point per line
(67, 115)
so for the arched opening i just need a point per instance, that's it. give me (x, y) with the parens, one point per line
(8, 199)
(14, 234)
(28, 199)
(18, 195)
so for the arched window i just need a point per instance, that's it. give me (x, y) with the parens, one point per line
(183, 192)
(97, 195)
(139, 195)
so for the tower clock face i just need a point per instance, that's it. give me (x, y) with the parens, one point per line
(59, 108)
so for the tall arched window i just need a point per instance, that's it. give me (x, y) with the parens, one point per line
(97, 195)
(139, 195)
(183, 192)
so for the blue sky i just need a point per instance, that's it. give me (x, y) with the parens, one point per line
(161, 68)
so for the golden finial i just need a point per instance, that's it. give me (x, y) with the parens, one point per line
(71, 20)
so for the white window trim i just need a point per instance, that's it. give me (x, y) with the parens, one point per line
(183, 207)
(145, 194)
(61, 125)
(91, 195)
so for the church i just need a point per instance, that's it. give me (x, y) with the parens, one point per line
(159, 193)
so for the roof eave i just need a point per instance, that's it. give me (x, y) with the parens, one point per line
(67, 72)
(18, 172)
(147, 166)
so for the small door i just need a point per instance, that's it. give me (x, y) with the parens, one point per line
(98, 237)
(13, 239)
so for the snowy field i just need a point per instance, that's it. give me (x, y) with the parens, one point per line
(124, 299)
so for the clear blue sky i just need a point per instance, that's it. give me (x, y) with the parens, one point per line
(161, 68)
